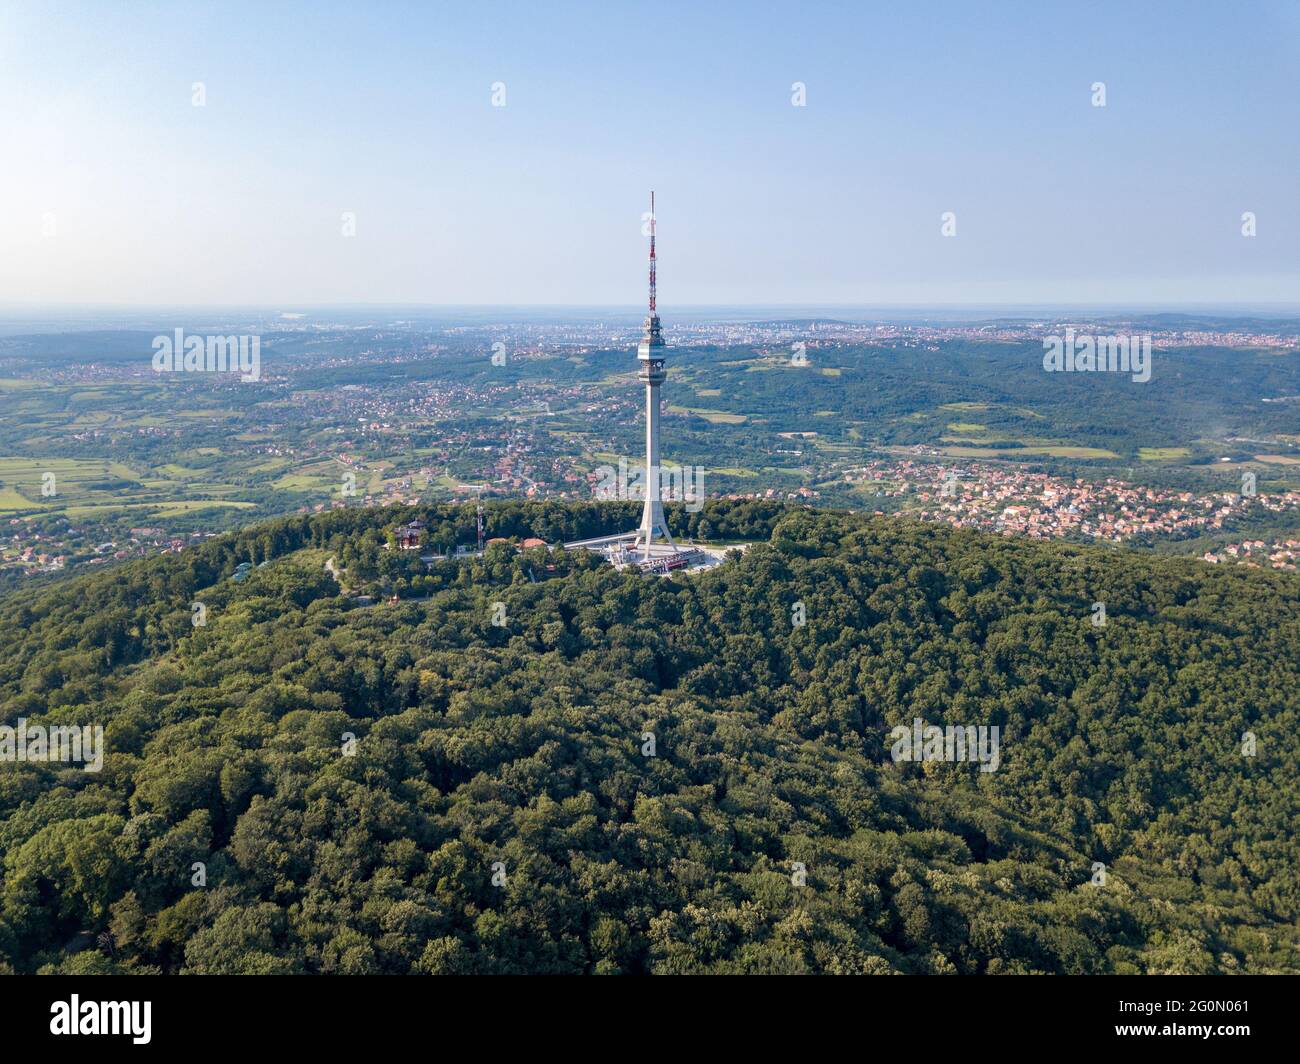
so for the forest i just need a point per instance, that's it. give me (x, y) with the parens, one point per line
(530, 762)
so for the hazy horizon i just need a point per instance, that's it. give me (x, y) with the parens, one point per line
(1241, 308)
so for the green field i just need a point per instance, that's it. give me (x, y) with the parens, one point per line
(92, 489)
(714, 417)
(303, 482)
(1013, 452)
(75, 480)
(12, 502)
(156, 509)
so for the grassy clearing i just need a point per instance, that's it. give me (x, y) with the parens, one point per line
(271, 465)
(12, 502)
(72, 476)
(153, 509)
(302, 482)
(713, 417)
(1013, 452)
(171, 509)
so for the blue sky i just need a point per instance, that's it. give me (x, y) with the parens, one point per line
(118, 190)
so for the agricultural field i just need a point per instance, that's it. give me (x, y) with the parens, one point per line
(54, 484)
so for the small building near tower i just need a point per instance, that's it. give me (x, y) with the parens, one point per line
(408, 536)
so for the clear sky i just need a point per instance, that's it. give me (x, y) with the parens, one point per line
(116, 189)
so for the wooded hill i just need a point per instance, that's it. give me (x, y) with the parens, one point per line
(523, 746)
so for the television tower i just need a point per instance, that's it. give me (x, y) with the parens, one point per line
(650, 354)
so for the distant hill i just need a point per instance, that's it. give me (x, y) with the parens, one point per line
(635, 774)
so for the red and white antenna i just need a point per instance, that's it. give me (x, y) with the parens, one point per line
(652, 253)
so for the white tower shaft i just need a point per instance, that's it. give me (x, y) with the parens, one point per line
(653, 522)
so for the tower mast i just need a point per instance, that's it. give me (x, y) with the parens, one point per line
(652, 253)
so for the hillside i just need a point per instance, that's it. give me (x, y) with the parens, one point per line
(524, 746)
